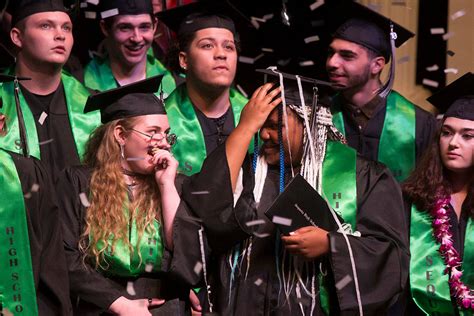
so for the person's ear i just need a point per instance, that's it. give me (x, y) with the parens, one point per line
(377, 64)
(16, 37)
(103, 28)
(120, 135)
(183, 60)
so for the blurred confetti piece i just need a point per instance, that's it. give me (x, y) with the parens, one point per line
(269, 16)
(306, 63)
(135, 158)
(437, 30)
(315, 5)
(198, 267)
(262, 235)
(258, 282)
(84, 199)
(148, 267)
(451, 71)
(255, 222)
(35, 187)
(342, 283)
(200, 192)
(241, 90)
(432, 68)
(399, 2)
(431, 83)
(282, 220)
(27, 196)
(458, 14)
(450, 53)
(42, 117)
(267, 50)
(131, 288)
(283, 62)
(83, 5)
(90, 15)
(448, 35)
(46, 142)
(249, 60)
(403, 59)
(94, 2)
(310, 39)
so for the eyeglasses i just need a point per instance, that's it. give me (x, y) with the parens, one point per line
(170, 138)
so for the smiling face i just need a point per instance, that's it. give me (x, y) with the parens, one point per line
(211, 59)
(44, 38)
(350, 66)
(456, 144)
(129, 37)
(137, 146)
(269, 136)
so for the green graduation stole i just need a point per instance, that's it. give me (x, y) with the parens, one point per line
(397, 141)
(428, 284)
(190, 149)
(98, 74)
(340, 189)
(82, 124)
(123, 262)
(17, 286)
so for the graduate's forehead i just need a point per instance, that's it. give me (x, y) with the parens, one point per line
(52, 16)
(157, 121)
(458, 124)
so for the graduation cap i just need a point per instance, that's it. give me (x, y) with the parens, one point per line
(21, 122)
(127, 101)
(457, 98)
(110, 8)
(20, 9)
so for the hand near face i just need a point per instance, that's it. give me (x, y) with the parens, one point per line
(165, 166)
(308, 242)
(260, 105)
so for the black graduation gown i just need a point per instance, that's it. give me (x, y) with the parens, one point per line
(44, 230)
(92, 292)
(366, 141)
(381, 254)
(215, 134)
(458, 231)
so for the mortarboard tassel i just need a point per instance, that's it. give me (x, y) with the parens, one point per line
(387, 87)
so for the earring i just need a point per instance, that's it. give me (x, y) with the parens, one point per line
(184, 67)
(122, 154)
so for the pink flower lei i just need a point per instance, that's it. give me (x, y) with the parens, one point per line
(463, 294)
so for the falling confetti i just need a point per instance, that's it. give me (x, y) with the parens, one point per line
(432, 68)
(282, 220)
(148, 267)
(84, 200)
(451, 71)
(310, 39)
(258, 282)
(35, 187)
(437, 30)
(198, 267)
(306, 63)
(261, 235)
(431, 83)
(94, 2)
(267, 50)
(46, 142)
(255, 222)
(249, 60)
(42, 117)
(403, 59)
(458, 14)
(90, 15)
(131, 288)
(343, 282)
(83, 5)
(200, 192)
(448, 35)
(135, 158)
(316, 5)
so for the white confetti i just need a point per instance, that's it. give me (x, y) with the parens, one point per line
(135, 158)
(458, 14)
(90, 15)
(258, 282)
(267, 50)
(84, 199)
(263, 235)
(94, 2)
(42, 117)
(343, 282)
(258, 19)
(283, 62)
(431, 83)
(83, 5)
(315, 5)
(249, 60)
(306, 63)
(437, 30)
(200, 192)
(432, 68)
(108, 13)
(255, 222)
(242, 91)
(403, 59)
(148, 267)
(282, 220)
(267, 17)
(198, 268)
(451, 71)
(310, 39)
(46, 142)
(35, 187)
(448, 35)
(131, 288)
(27, 195)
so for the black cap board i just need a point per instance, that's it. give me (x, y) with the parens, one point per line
(457, 98)
(135, 99)
(20, 9)
(110, 8)
(359, 24)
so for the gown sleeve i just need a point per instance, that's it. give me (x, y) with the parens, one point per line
(381, 253)
(209, 196)
(85, 282)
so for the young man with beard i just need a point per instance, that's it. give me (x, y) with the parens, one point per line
(378, 122)
(129, 28)
(261, 272)
(52, 102)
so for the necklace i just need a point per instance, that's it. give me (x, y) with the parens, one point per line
(462, 293)
(132, 175)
